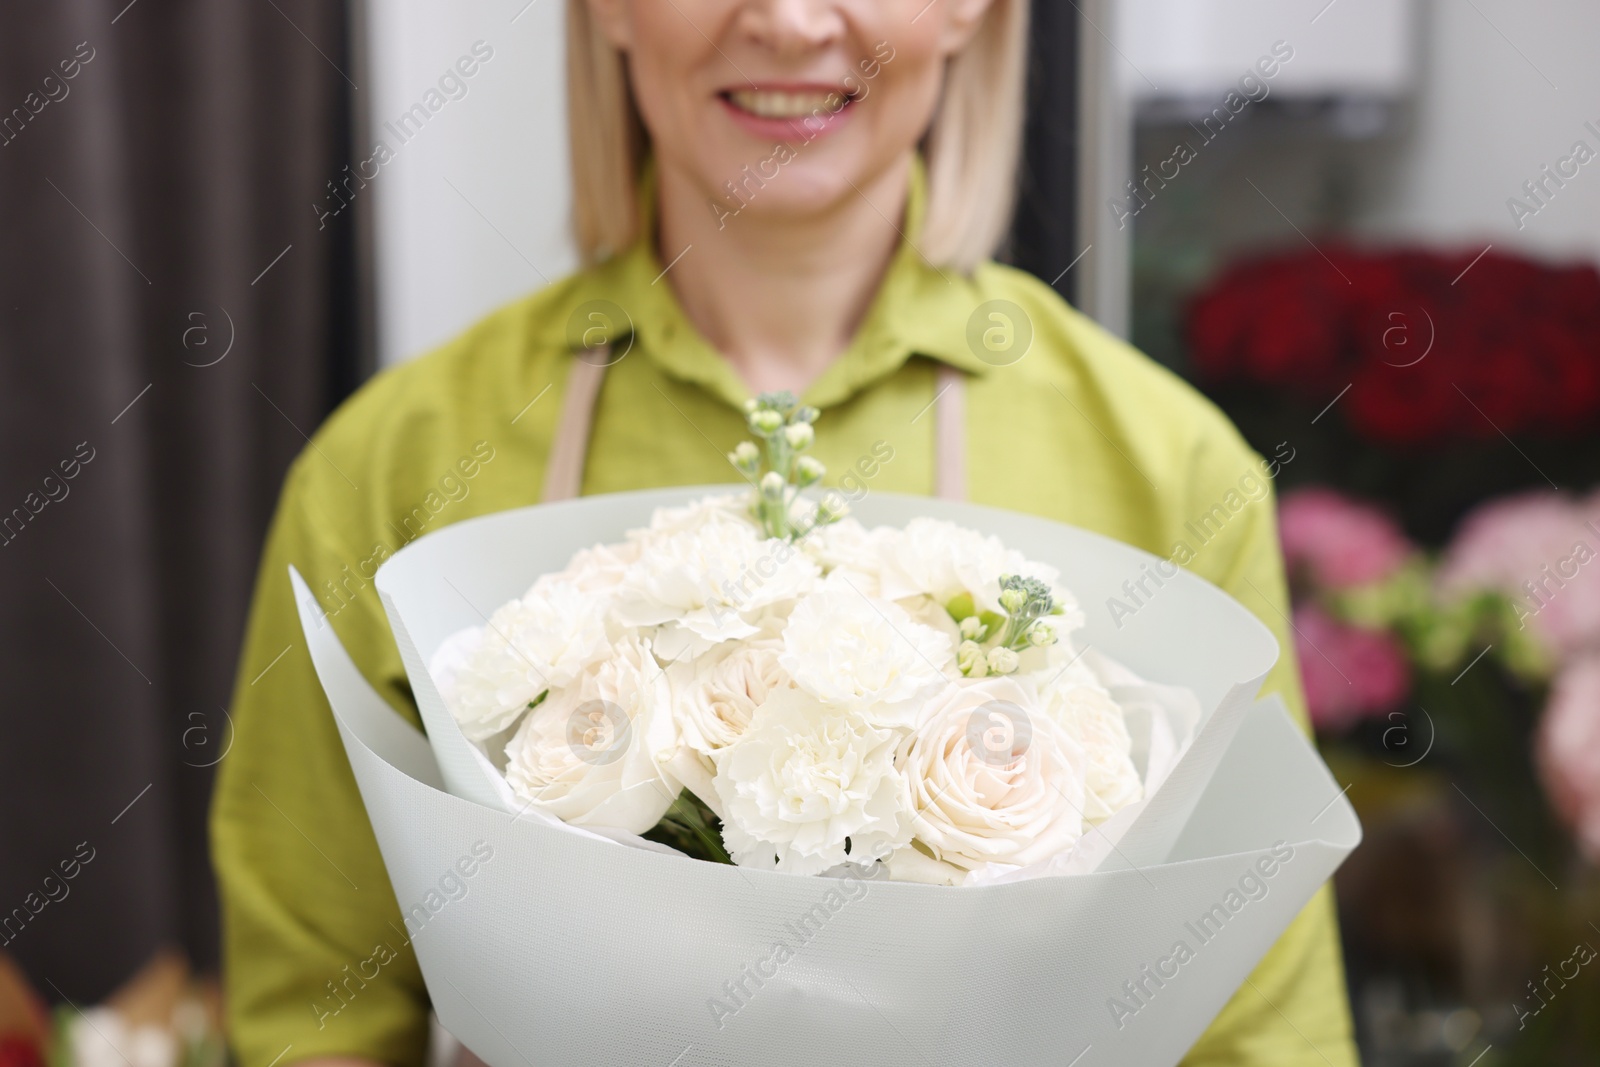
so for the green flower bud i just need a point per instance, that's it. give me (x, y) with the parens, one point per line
(805, 414)
(809, 470)
(1002, 661)
(800, 435)
(971, 659)
(972, 628)
(746, 456)
(1013, 599)
(766, 422)
(772, 485)
(1041, 635)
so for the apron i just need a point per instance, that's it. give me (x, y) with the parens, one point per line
(564, 470)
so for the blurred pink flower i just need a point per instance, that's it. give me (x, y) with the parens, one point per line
(1542, 550)
(1349, 673)
(1339, 542)
(1569, 750)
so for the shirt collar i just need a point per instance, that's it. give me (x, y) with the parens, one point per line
(919, 310)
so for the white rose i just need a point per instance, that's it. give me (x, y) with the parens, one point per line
(591, 753)
(805, 779)
(935, 558)
(1090, 714)
(990, 778)
(849, 650)
(712, 583)
(541, 641)
(719, 697)
(714, 699)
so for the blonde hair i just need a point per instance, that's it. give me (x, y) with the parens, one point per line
(971, 149)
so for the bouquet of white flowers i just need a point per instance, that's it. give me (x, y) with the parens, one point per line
(834, 710)
(754, 678)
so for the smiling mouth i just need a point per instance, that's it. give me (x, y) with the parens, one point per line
(777, 104)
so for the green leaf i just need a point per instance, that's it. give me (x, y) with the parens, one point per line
(961, 606)
(691, 828)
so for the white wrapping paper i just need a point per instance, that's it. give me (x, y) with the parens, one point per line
(564, 948)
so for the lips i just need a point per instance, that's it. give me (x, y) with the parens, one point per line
(792, 105)
(790, 113)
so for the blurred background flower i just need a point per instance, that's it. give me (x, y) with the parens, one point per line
(1350, 672)
(1457, 690)
(162, 1016)
(1338, 542)
(1441, 531)
(1569, 749)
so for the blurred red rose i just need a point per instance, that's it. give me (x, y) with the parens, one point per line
(1434, 346)
(18, 1051)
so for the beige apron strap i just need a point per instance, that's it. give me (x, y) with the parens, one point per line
(563, 478)
(563, 474)
(950, 434)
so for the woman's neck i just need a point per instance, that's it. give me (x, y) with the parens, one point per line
(779, 298)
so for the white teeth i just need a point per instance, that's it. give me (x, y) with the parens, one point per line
(775, 105)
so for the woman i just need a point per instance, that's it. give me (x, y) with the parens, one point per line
(772, 194)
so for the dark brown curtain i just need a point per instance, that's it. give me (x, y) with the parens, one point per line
(172, 320)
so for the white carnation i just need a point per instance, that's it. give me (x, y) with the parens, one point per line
(591, 754)
(935, 558)
(804, 780)
(729, 507)
(849, 650)
(710, 583)
(929, 612)
(990, 778)
(849, 546)
(541, 641)
(596, 570)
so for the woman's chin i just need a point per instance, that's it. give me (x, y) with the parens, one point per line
(789, 198)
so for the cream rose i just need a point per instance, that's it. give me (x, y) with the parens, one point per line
(714, 699)
(591, 754)
(803, 781)
(716, 702)
(991, 778)
(850, 650)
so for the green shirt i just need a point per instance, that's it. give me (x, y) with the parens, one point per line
(1081, 429)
